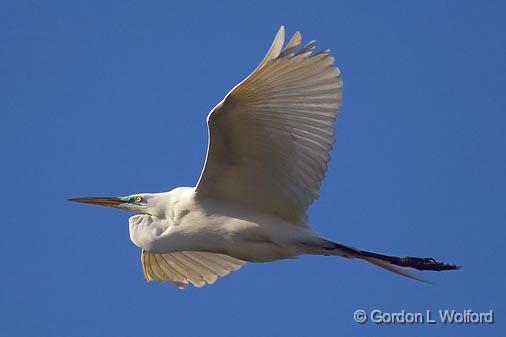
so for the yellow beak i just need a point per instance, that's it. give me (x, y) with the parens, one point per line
(103, 201)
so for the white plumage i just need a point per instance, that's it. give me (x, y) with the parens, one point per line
(269, 144)
(273, 132)
(181, 268)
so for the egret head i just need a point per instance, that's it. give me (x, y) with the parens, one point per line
(138, 203)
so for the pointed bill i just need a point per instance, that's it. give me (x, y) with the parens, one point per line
(103, 201)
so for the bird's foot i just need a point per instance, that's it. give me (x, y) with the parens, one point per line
(425, 263)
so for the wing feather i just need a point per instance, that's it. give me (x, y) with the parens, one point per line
(183, 268)
(270, 138)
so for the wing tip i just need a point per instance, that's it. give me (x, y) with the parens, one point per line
(276, 46)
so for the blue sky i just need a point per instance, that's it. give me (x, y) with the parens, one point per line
(110, 98)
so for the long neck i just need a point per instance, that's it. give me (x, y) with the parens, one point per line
(163, 205)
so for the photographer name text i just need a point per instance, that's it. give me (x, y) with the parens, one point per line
(442, 316)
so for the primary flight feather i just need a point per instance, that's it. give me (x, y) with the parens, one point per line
(269, 145)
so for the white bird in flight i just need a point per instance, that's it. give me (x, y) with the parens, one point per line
(269, 144)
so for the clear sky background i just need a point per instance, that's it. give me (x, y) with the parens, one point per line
(110, 98)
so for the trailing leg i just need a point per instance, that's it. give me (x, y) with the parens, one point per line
(391, 263)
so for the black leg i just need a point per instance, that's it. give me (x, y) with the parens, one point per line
(420, 263)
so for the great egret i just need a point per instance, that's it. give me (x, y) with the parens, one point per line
(269, 143)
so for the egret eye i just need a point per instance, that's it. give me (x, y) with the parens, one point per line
(138, 198)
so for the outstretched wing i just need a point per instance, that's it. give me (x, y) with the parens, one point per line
(182, 268)
(270, 137)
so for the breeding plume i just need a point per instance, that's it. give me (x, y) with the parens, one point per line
(269, 144)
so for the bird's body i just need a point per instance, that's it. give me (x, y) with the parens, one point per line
(189, 223)
(269, 146)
